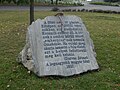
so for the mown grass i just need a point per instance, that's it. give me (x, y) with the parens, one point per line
(105, 32)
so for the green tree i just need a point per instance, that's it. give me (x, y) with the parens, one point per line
(21, 2)
(9, 1)
(51, 1)
(2, 1)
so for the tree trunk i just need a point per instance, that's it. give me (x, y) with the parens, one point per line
(31, 11)
(51, 1)
(56, 2)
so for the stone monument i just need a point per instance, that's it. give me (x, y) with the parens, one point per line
(58, 45)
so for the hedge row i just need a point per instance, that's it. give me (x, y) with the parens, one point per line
(86, 10)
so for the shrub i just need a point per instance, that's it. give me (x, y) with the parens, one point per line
(99, 11)
(74, 10)
(90, 10)
(87, 10)
(55, 9)
(68, 10)
(115, 12)
(107, 11)
(118, 12)
(78, 10)
(82, 10)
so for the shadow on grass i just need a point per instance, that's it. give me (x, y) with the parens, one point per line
(58, 77)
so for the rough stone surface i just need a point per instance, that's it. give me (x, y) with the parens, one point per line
(58, 45)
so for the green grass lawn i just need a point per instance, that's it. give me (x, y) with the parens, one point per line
(105, 32)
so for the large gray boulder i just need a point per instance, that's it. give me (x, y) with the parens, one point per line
(58, 45)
